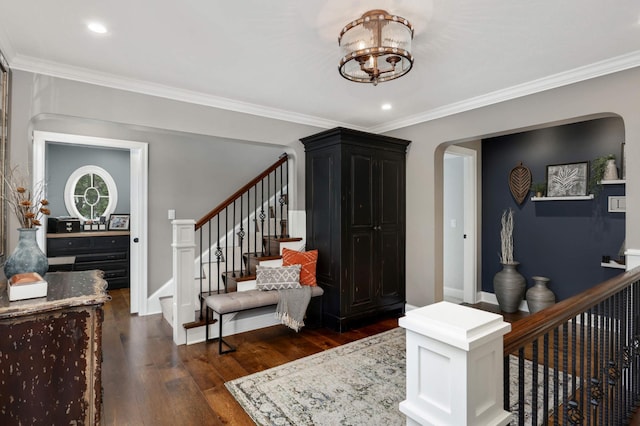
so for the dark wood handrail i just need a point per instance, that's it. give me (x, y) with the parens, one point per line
(530, 328)
(226, 203)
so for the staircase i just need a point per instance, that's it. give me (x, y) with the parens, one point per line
(234, 280)
(249, 228)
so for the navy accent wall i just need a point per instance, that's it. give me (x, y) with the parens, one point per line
(562, 240)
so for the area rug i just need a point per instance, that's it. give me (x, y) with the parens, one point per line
(360, 383)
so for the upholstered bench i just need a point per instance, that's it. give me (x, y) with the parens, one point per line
(238, 301)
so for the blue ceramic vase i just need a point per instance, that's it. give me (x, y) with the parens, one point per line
(27, 256)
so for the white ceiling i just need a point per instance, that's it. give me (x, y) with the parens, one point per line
(279, 58)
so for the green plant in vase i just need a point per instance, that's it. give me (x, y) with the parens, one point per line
(539, 188)
(598, 169)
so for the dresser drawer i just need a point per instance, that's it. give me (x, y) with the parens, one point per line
(113, 283)
(100, 257)
(67, 245)
(108, 253)
(100, 243)
(119, 269)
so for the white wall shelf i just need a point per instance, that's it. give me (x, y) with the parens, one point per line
(613, 264)
(578, 197)
(613, 182)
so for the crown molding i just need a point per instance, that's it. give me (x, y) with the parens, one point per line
(597, 69)
(54, 69)
(609, 66)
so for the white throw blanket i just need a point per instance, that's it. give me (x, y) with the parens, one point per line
(293, 306)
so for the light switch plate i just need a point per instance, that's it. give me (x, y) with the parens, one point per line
(617, 204)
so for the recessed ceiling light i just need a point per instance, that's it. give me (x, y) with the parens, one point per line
(386, 107)
(97, 27)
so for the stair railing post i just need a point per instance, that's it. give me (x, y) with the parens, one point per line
(183, 247)
(454, 366)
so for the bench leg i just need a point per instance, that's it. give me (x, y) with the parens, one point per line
(206, 323)
(219, 338)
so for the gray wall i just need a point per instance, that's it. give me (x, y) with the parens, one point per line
(198, 155)
(48, 103)
(63, 160)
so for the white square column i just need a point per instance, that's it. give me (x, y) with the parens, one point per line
(632, 257)
(183, 248)
(454, 366)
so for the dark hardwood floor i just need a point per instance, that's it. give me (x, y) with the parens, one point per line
(147, 380)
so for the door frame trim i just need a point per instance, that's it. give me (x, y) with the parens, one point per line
(139, 170)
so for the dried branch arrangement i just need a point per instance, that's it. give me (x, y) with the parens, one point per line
(506, 237)
(29, 205)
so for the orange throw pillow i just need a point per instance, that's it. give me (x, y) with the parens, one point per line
(308, 260)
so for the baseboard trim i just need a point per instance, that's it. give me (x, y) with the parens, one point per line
(408, 307)
(453, 293)
(491, 298)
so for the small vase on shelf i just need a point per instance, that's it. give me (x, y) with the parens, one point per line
(539, 296)
(610, 170)
(27, 256)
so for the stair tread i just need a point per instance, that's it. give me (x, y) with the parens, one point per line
(265, 257)
(282, 239)
(239, 277)
(206, 293)
(198, 323)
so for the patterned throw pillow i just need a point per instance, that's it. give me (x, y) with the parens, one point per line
(278, 278)
(308, 261)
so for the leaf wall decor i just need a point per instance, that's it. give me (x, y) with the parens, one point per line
(520, 182)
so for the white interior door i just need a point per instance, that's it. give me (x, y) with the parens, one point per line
(460, 225)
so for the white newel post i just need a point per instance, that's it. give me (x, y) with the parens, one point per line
(183, 277)
(454, 366)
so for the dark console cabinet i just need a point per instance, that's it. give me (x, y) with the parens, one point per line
(52, 353)
(355, 206)
(83, 251)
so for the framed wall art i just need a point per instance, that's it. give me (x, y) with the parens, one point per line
(119, 222)
(567, 180)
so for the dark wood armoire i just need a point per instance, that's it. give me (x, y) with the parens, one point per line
(355, 207)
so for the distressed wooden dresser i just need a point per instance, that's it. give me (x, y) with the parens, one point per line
(51, 350)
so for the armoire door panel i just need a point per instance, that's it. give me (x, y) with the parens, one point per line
(361, 270)
(391, 264)
(390, 191)
(320, 214)
(361, 190)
